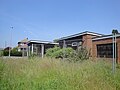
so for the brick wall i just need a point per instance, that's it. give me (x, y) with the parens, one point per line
(105, 41)
(87, 42)
(118, 46)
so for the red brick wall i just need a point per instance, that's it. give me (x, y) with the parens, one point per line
(105, 41)
(87, 42)
(118, 46)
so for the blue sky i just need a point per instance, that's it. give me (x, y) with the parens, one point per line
(52, 19)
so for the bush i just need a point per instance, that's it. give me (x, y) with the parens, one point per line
(13, 52)
(68, 53)
(83, 53)
(16, 53)
(79, 55)
(52, 52)
(5, 52)
(57, 52)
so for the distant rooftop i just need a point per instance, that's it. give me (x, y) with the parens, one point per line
(24, 40)
(80, 34)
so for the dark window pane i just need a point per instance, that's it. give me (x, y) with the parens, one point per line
(105, 50)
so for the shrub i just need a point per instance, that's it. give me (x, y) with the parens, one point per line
(57, 52)
(79, 55)
(51, 51)
(83, 53)
(13, 52)
(68, 53)
(6, 52)
(16, 53)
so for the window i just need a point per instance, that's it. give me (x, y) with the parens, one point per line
(74, 44)
(105, 50)
(21, 44)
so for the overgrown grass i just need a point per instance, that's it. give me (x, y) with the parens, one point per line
(1, 53)
(54, 74)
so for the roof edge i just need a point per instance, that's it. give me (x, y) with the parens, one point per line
(40, 41)
(80, 34)
(104, 37)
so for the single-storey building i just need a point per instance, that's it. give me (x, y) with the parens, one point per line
(99, 45)
(37, 47)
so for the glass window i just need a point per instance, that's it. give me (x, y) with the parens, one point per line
(105, 50)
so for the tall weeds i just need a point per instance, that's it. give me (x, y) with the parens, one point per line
(55, 74)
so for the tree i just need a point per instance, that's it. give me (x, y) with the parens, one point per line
(114, 31)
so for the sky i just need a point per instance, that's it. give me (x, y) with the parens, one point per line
(52, 19)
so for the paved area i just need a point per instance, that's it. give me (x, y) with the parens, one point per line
(13, 57)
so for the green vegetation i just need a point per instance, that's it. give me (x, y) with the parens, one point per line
(1, 53)
(56, 74)
(57, 52)
(14, 52)
(68, 53)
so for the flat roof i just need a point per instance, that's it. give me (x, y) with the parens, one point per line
(42, 42)
(80, 34)
(104, 37)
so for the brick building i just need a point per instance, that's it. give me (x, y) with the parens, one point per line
(22, 46)
(99, 45)
(103, 47)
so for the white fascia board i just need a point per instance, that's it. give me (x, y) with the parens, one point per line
(53, 43)
(43, 42)
(40, 41)
(100, 38)
(94, 34)
(80, 34)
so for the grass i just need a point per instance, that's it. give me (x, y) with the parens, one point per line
(54, 74)
(1, 53)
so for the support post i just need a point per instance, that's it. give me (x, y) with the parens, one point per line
(114, 32)
(115, 51)
(42, 50)
(64, 46)
(113, 62)
(32, 48)
(27, 51)
(9, 51)
(23, 52)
